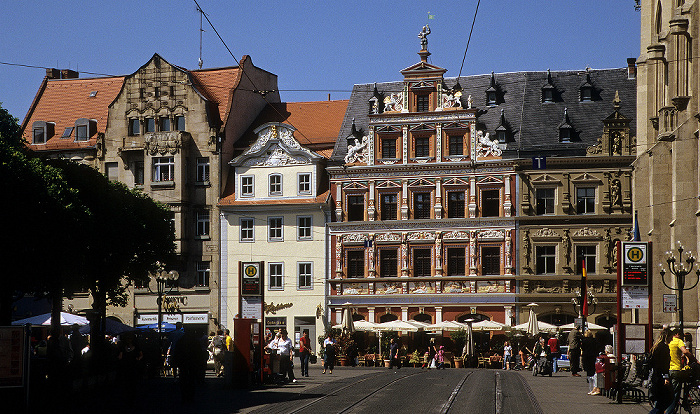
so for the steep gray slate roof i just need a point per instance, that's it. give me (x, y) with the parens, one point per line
(533, 125)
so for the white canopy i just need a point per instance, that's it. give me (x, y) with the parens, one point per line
(487, 325)
(45, 319)
(592, 326)
(542, 326)
(360, 326)
(397, 325)
(446, 326)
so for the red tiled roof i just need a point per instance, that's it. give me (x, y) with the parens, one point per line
(231, 200)
(63, 101)
(217, 84)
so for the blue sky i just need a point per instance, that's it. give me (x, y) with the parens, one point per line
(321, 47)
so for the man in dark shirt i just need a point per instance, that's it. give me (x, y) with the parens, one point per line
(574, 352)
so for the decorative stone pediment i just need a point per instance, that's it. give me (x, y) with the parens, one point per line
(354, 238)
(545, 233)
(275, 146)
(456, 181)
(388, 237)
(489, 180)
(491, 235)
(545, 179)
(355, 185)
(388, 184)
(586, 178)
(389, 129)
(274, 156)
(456, 235)
(421, 236)
(586, 233)
(421, 182)
(164, 143)
(422, 128)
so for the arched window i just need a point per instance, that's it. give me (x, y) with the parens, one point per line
(557, 319)
(423, 317)
(388, 317)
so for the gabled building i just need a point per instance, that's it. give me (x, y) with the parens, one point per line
(278, 212)
(169, 132)
(437, 210)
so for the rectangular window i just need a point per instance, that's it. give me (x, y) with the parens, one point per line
(356, 208)
(180, 123)
(305, 277)
(39, 136)
(422, 262)
(134, 127)
(585, 200)
(164, 124)
(163, 169)
(545, 201)
(456, 261)
(247, 186)
(247, 229)
(389, 148)
(421, 206)
(81, 133)
(456, 145)
(203, 272)
(587, 254)
(304, 183)
(111, 171)
(490, 203)
(545, 256)
(356, 263)
(276, 276)
(139, 175)
(422, 103)
(202, 229)
(275, 184)
(202, 170)
(490, 260)
(67, 132)
(149, 125)
(304, 228)
(388, 263)
(389, 207)
(421, 147)
(455, 204)
(275, 228)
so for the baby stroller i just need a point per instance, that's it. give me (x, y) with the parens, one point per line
(543, 366)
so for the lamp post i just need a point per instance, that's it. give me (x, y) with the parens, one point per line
(680, 271)
(164, 278)
(577, 302)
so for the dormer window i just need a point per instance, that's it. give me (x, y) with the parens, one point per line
(422, 103)
(586, 89)
(492, 93)
(566, 130)
(85, 128)
(548, 90)
(564, 135)
(503, 129)
(67, 132)
(42, 131)
(81, 133)
(491, 98)
(501, 135)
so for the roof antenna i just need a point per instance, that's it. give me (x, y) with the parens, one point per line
(200, 62)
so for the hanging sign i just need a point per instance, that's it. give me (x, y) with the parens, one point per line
(251, 278)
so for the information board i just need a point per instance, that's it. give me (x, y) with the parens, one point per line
(251, 279)
(670, 303)
(635, 266)
(635, 297)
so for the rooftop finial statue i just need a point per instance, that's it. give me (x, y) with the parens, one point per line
(423, 36)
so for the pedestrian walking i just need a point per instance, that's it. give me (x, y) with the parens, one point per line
(589, 353)
(228, 340)
(285, 347)
(677, 352)
(432, 353)
(507, 352)
(217, 348)
(304, 353)
(329, 354)
(660, 383)
(574, 352)
(440, 358)
(394, 354)
(554, 350)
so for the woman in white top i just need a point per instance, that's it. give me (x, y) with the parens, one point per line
(507, 352)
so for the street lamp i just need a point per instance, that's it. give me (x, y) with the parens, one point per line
(165, 283)
(577, 301)
(680, 271)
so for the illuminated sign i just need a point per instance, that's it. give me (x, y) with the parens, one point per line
(251, 279)
(635, 266)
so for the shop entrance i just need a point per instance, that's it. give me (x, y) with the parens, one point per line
(305, 323)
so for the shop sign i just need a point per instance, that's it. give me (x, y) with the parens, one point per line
(172, 318)
(146, 319)
(670, 303)
(195, 318)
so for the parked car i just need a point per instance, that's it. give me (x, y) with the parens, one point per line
(563, 360)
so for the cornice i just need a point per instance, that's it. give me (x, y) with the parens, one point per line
(399, 225)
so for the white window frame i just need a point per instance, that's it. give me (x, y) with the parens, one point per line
(163, 163)
(304, 180)
(203, 224)
(277, 189)
(310, 275)
(202, 170)
(272, 275)
(269, 229)
(305, 232)
(203, 271)
(242, 238)
(244, 185)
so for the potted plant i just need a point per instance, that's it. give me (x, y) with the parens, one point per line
(459, 362)
(415, 359)
(346, 346)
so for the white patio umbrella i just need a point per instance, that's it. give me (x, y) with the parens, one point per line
(45, 319)
(469, 340)
(542, 326)
(398, 325)
(446, 326)
(362, 326)
(487, 325)
(532, 326)
(348, 325)
(590, 325)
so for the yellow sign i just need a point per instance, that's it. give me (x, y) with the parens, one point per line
(251, 271)
(635, 254)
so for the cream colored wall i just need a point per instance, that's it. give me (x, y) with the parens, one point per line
(289, 181)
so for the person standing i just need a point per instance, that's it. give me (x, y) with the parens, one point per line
(432, 353)
(394, 354)
(554, 350)
(677, 352)
(285, 347)
(574, 352)
(228, 340)
(304, 353)
(507, 352)
(329, 354)
(589, 352)
(660, 384)
(217, 347)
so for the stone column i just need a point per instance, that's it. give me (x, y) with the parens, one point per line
(404, 200)
(438, 143)
(438, 314)
(472, 197)
(371, 209)
(509, 315)
(472, 252)
(404, 145)
(339, 201)
(507, 203)
(370, 314)
(404, 313)
(437, 209)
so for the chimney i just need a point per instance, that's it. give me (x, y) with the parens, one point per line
(631, 68)
(69, 74)
(53, 73)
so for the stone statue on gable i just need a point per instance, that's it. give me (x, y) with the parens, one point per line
(356, 152)
(423, 36)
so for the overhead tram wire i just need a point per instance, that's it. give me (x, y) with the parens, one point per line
(263, 95)
(469, 39)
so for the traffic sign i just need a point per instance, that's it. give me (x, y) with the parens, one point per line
(635, 266)
(670, 303)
